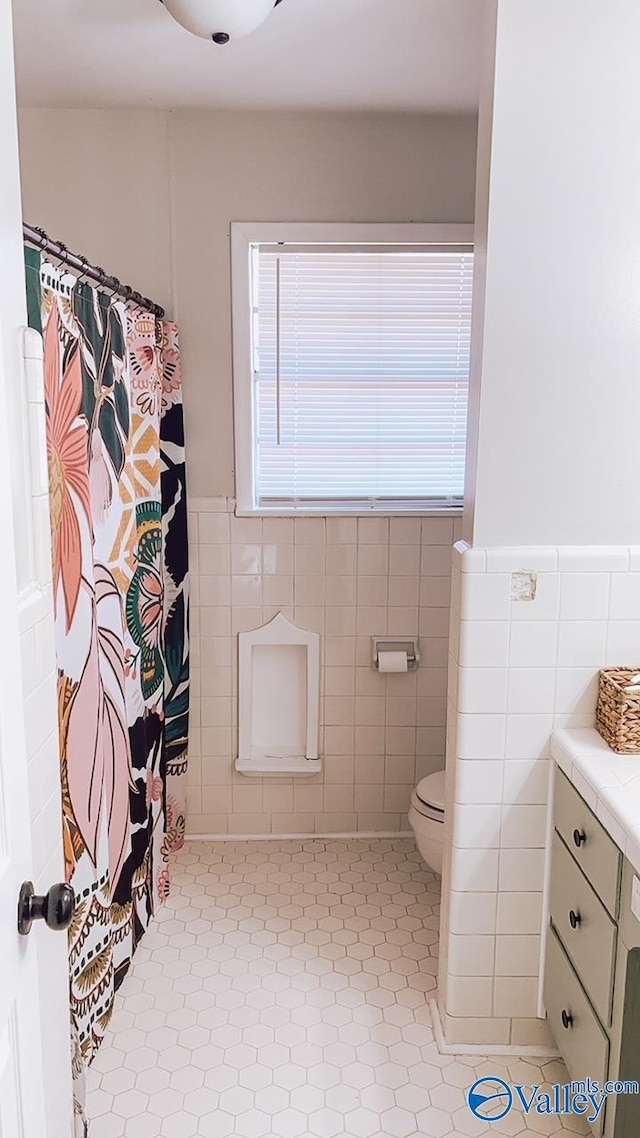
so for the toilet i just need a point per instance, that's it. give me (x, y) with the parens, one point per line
(426, 818)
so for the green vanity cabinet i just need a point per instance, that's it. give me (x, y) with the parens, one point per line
(586, 931)
(585, 1046)
(592, 971)
(625, 1039)
(588, 842)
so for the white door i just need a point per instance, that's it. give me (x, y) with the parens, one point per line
(21, 1085)
(35, 1084)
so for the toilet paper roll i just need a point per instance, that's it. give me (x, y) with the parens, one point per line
(393, 662)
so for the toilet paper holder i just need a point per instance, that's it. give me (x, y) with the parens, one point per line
(383, 644)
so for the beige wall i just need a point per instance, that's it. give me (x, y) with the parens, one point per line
(150, 195)
(99, 181)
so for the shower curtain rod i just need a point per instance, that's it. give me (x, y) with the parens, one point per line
(41, 240)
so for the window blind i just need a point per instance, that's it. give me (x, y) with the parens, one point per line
(361, 368)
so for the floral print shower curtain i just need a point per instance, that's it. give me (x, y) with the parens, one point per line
(115, 450)
(176, 562)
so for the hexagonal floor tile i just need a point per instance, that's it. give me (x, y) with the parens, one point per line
(283, 991)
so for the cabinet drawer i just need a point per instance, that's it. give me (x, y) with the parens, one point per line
(589, 843)
(582, 1043)
(584, 927)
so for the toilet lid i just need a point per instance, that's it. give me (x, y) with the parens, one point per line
(430, 790)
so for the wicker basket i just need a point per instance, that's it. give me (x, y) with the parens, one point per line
(618, 713)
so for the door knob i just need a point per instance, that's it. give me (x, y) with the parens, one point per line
(56, 908)
(575, 920)
(567, 1020)
(579, 838)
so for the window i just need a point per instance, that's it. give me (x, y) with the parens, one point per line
(351, 371)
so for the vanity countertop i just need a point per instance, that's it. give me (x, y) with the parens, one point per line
(609, 784)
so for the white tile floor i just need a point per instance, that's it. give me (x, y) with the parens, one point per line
(283, 991)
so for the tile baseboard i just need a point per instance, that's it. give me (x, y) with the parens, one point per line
(517, 1050)
(306, 837)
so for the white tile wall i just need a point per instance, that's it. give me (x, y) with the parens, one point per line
(348, 579)
(517, 669)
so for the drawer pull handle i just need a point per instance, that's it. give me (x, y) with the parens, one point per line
(580, 838)
(575, 920)
(567, 1019)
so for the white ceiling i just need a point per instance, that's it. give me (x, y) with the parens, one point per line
(404, 55)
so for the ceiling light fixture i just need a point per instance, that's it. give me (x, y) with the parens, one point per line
(220, 20)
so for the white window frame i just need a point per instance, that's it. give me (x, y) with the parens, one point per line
(245, 235)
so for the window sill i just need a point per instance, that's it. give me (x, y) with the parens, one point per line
(281, 512)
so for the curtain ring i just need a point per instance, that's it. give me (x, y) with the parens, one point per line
(85, 267)
(102, 278)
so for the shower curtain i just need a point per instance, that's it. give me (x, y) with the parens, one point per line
(115, 451)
